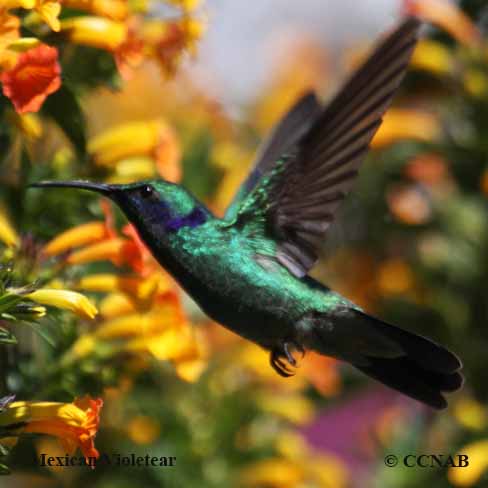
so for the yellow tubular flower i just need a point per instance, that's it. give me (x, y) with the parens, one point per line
(111, 249)
(142, 289)
(47, 10)
(171, 344)
(124, 327)
(128, 140)
(7, 232)
(24, 44)
(133, 169)
(75, 424)
(112, 9)
(9, 32)
(77, 236)
(106, 282)
(95, 32)
(190, 370)
(447, 16)
(477, 453)
(164, 337)
(65, 299)
(133, 325)
(432, 56)
(166, 315)
(115, 305)
(28, 124)
(400, 124)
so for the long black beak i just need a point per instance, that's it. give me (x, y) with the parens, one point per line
(103, 188)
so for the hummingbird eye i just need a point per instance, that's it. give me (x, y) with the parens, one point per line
(147, 191)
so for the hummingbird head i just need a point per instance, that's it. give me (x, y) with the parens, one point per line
(153, 205)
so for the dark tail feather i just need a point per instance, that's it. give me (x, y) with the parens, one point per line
(424, 372)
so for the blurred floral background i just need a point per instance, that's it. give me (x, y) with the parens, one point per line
(101, 353)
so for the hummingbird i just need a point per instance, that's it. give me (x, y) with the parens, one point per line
(248, 271)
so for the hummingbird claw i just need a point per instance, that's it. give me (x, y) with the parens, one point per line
(289, 355)
(279, 366)
(279, 355)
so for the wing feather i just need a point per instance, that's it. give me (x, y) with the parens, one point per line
(284, 135)
(303, 182)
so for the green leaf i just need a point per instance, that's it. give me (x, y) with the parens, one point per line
(43, 333)
(63, 107)
(6, 337)
(8, 301)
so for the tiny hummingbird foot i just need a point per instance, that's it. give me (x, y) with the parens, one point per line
(279, 358)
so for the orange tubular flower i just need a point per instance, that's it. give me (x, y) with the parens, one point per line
(110, 249)
(77, 236)
(130, 54)
(74, 424)
(35, 76)
(170, 41)
(447, 16)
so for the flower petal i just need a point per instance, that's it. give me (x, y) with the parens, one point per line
(35, 76)
(69, 300)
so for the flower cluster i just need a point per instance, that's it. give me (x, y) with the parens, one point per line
(31, 67)
(139, 311)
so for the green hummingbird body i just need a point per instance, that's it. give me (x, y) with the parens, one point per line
(249, 270)
(253, 296)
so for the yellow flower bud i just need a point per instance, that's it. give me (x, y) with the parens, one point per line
(69, 300)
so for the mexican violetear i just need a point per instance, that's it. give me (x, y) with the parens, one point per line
(248, 271)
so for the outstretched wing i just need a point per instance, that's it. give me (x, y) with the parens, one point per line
(283, 137)
(297, 197)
